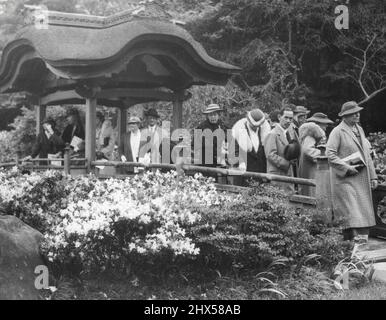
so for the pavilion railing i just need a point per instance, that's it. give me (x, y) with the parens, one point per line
(66, 160)
(224, 176)
(192, 168)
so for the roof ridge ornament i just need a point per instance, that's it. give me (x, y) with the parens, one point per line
(148, 9)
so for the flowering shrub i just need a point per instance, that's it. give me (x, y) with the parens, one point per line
(256, 229)
(36, 199)
(155, 220)
(378, 143)
(98, 224)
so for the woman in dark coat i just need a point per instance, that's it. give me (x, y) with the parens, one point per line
(212, 123)
(48, 142)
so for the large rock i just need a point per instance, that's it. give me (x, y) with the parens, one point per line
(19, 256)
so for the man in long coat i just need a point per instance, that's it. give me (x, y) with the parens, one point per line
(275, 145)
(351, 183)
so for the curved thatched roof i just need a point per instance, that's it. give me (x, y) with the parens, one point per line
(119, 50)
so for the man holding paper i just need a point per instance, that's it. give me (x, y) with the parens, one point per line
(352, 174)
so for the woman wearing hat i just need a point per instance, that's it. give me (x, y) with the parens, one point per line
(131, 144)
(48, 142)
(104, 137)
(311, 135)
(212, 123)
(351, 181)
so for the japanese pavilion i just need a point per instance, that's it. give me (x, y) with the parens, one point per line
(116, 61)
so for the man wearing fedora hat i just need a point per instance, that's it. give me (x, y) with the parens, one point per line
(352, 174)
(249, 136)
(152, 136)
(300, 117)
(312, 134)
(216, 140)
(282, 149)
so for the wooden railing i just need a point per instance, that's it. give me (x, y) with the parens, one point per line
(226, 172)
(224, 175)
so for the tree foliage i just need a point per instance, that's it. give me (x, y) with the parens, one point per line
(289, 51)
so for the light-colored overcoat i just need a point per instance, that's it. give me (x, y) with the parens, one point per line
(310, 134)
(151, 142)
(352, 197)
(275, 144)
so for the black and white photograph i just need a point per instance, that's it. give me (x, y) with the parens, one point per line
(191, 156)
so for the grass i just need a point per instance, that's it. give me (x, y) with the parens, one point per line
(372, 291)
(308, 284)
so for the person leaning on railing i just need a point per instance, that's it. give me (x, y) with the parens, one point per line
(48, 144)
(250, 134)
(312, 135)
(218, 130)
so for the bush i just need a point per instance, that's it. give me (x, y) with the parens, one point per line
(260, 227)
(155, 222)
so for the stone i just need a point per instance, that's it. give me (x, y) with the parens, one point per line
(19, 256)
(374, 250)
(379, 272)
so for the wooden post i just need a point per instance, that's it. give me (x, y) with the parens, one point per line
(323, 188)
(40, 114)
(91, 104)
(177, 111)
(121, 124)
(18, 156)
(67, 166)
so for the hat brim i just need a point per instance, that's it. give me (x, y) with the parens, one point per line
(301, 112)
(349, 112)
(208, 112)
(318, 120)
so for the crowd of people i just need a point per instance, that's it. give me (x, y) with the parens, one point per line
(286, 142)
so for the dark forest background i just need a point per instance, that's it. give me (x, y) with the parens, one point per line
(289, 50)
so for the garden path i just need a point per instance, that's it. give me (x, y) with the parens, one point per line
(374, 250)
